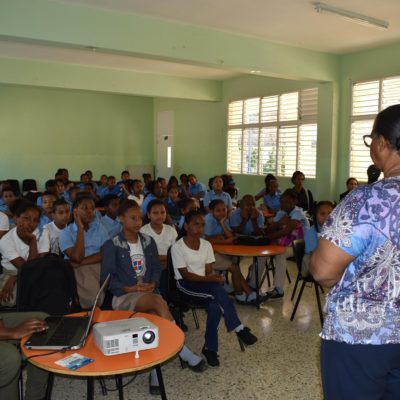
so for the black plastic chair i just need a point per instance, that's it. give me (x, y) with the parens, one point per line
(298, 251)
(29, 185)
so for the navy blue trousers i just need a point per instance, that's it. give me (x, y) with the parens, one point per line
(360, 372)
(217, 304)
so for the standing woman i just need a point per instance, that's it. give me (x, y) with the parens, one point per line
(358, 256)
(305, 198)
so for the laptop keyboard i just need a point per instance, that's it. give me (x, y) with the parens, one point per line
(66, 330)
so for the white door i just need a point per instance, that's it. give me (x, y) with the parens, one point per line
(165, 144)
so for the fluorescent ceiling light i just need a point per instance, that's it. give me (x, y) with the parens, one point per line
(351, 16)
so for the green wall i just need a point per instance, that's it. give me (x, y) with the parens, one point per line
(44, 129)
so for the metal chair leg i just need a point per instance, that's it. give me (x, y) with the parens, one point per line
(298, 300)
(295, 287)
(196, 319)
(321, 315)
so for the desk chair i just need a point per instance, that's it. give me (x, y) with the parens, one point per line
(270, 267)
(298, 251)
(14, 183)
(28, 185)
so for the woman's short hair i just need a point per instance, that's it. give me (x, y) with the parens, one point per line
(387, 124)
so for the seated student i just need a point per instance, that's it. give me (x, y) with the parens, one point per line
(8, 196)
(351, 183)
(112, 187)
(173, 181)
(4, 224)
(103, 186)
(305, 198)
(14, 326)
(20, 244)
(271, 198)
(217, 193)
(51, 187)
(72, 195)
(321, 213)
(163, 183)
(247, 220)
(163, 235)
(155, 192)
(110, 220)
(193, 260)
(217, 230)
(89, 173)
(132, 260)
(81, 242)
(147, 178)
(196, 188)
(61, 217)
(134, 190)
(186, 205)
(62, 192)
(172, 203)
(90, 191)
(184, 186)
(84, 178)
(289, 224)
(263, 191)
(46, 216)
(125, 175)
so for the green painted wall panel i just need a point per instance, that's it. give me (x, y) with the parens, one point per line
(44, 129)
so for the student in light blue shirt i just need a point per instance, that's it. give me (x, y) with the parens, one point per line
(217, 185)
(81, 242)
(8, 199)
(311, 237)
(48, 199)
(103, 185)
(110, 220)
(247, 220)
(155, 192)
(196, 188)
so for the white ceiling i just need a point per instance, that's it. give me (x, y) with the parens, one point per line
(292, 22)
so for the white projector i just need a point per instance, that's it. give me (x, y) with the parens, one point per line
(125, 336)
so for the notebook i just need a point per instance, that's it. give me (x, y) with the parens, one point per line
(65, 333)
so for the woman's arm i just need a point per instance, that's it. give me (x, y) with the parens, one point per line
(190, 276)
(328, 262)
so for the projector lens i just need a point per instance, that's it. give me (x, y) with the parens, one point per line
(148, 337)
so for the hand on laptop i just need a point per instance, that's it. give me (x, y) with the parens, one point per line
(28, 327)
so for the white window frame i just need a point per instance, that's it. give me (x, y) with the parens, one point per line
(358, 164)
(278, 124)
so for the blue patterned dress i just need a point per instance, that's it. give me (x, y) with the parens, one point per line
(364, 306)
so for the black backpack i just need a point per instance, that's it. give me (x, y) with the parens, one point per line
(47, 284)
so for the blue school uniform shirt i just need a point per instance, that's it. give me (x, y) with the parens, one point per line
(311, 238)
(297, 214)
(146, 202)
(273, 202)
(211, 195)
(94, 237)
(197, 188)
(213, 227)
(3, 207)
(173, 210)
(236, 219)
(115, 190)
(113, 226)
(44, 219)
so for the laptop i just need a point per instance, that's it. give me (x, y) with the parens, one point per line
(65, 333)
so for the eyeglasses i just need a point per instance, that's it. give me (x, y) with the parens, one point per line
(368, 140)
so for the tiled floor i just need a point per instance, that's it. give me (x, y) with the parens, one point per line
(283, 364)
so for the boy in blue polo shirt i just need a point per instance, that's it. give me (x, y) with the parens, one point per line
(110, 220)
(81, 243)
(217, 193)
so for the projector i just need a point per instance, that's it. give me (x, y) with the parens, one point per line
(125, 336)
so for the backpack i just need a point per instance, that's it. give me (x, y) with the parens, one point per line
(48, 285)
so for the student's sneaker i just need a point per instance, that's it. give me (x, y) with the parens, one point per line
(246, 336)
(272, 294)
(211, 357)
(246, 299)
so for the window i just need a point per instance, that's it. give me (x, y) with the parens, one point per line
(368, 99)
(274, 134)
